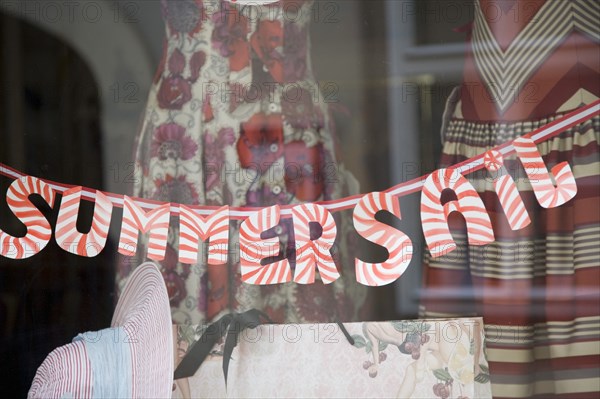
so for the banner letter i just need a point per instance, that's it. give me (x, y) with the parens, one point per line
(135, 220)
(213, 228)
(398, 244)
(434, 215)
(311, 253)
(38, 230)
(546, 193)
(66, 234)
(253, 249)
(507, 191)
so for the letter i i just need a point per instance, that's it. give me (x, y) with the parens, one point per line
(507, 191)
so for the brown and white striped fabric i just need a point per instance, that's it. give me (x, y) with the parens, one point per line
(538, 288)
(135, 357)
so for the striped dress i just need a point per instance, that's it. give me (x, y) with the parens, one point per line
(538, 288)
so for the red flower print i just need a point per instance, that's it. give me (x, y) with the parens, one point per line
(261, 140)
(196, 63)
(170, 141)
(174, 92)
(267, 42)
(230, 37)
(236, 96)
(175, 189)
(207, 109)
(176, 62)
(214, 154)
(302, 170)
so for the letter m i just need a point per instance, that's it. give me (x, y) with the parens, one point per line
(135, 220)
(213, 228)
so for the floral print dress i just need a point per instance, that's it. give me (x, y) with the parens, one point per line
(235, 116)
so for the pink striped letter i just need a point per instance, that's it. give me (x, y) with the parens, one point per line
(311, 253)
(253, 249)
(434, 215)
(507, 191)
(38, 230)
(213, 228)
(397, 243)
(66, 234)
(546, 193)
(155, 222)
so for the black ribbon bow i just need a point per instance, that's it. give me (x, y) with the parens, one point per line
(231, 324)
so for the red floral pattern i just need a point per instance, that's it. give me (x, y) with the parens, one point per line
(230, 37)
(303, 170)
(170, 141)
(207, 110)
(261, 141)
(196, 63)
(175, 189)
(176, 62)
(174, 92)
(267, 42)
(214, 155)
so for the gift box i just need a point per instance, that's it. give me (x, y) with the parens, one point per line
(406, 359)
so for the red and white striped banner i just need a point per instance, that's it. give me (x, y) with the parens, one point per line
(211, 223)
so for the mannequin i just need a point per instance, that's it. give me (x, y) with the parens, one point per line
(537, 288)
(235, 117)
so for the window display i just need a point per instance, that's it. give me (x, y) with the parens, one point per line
(401, 198)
